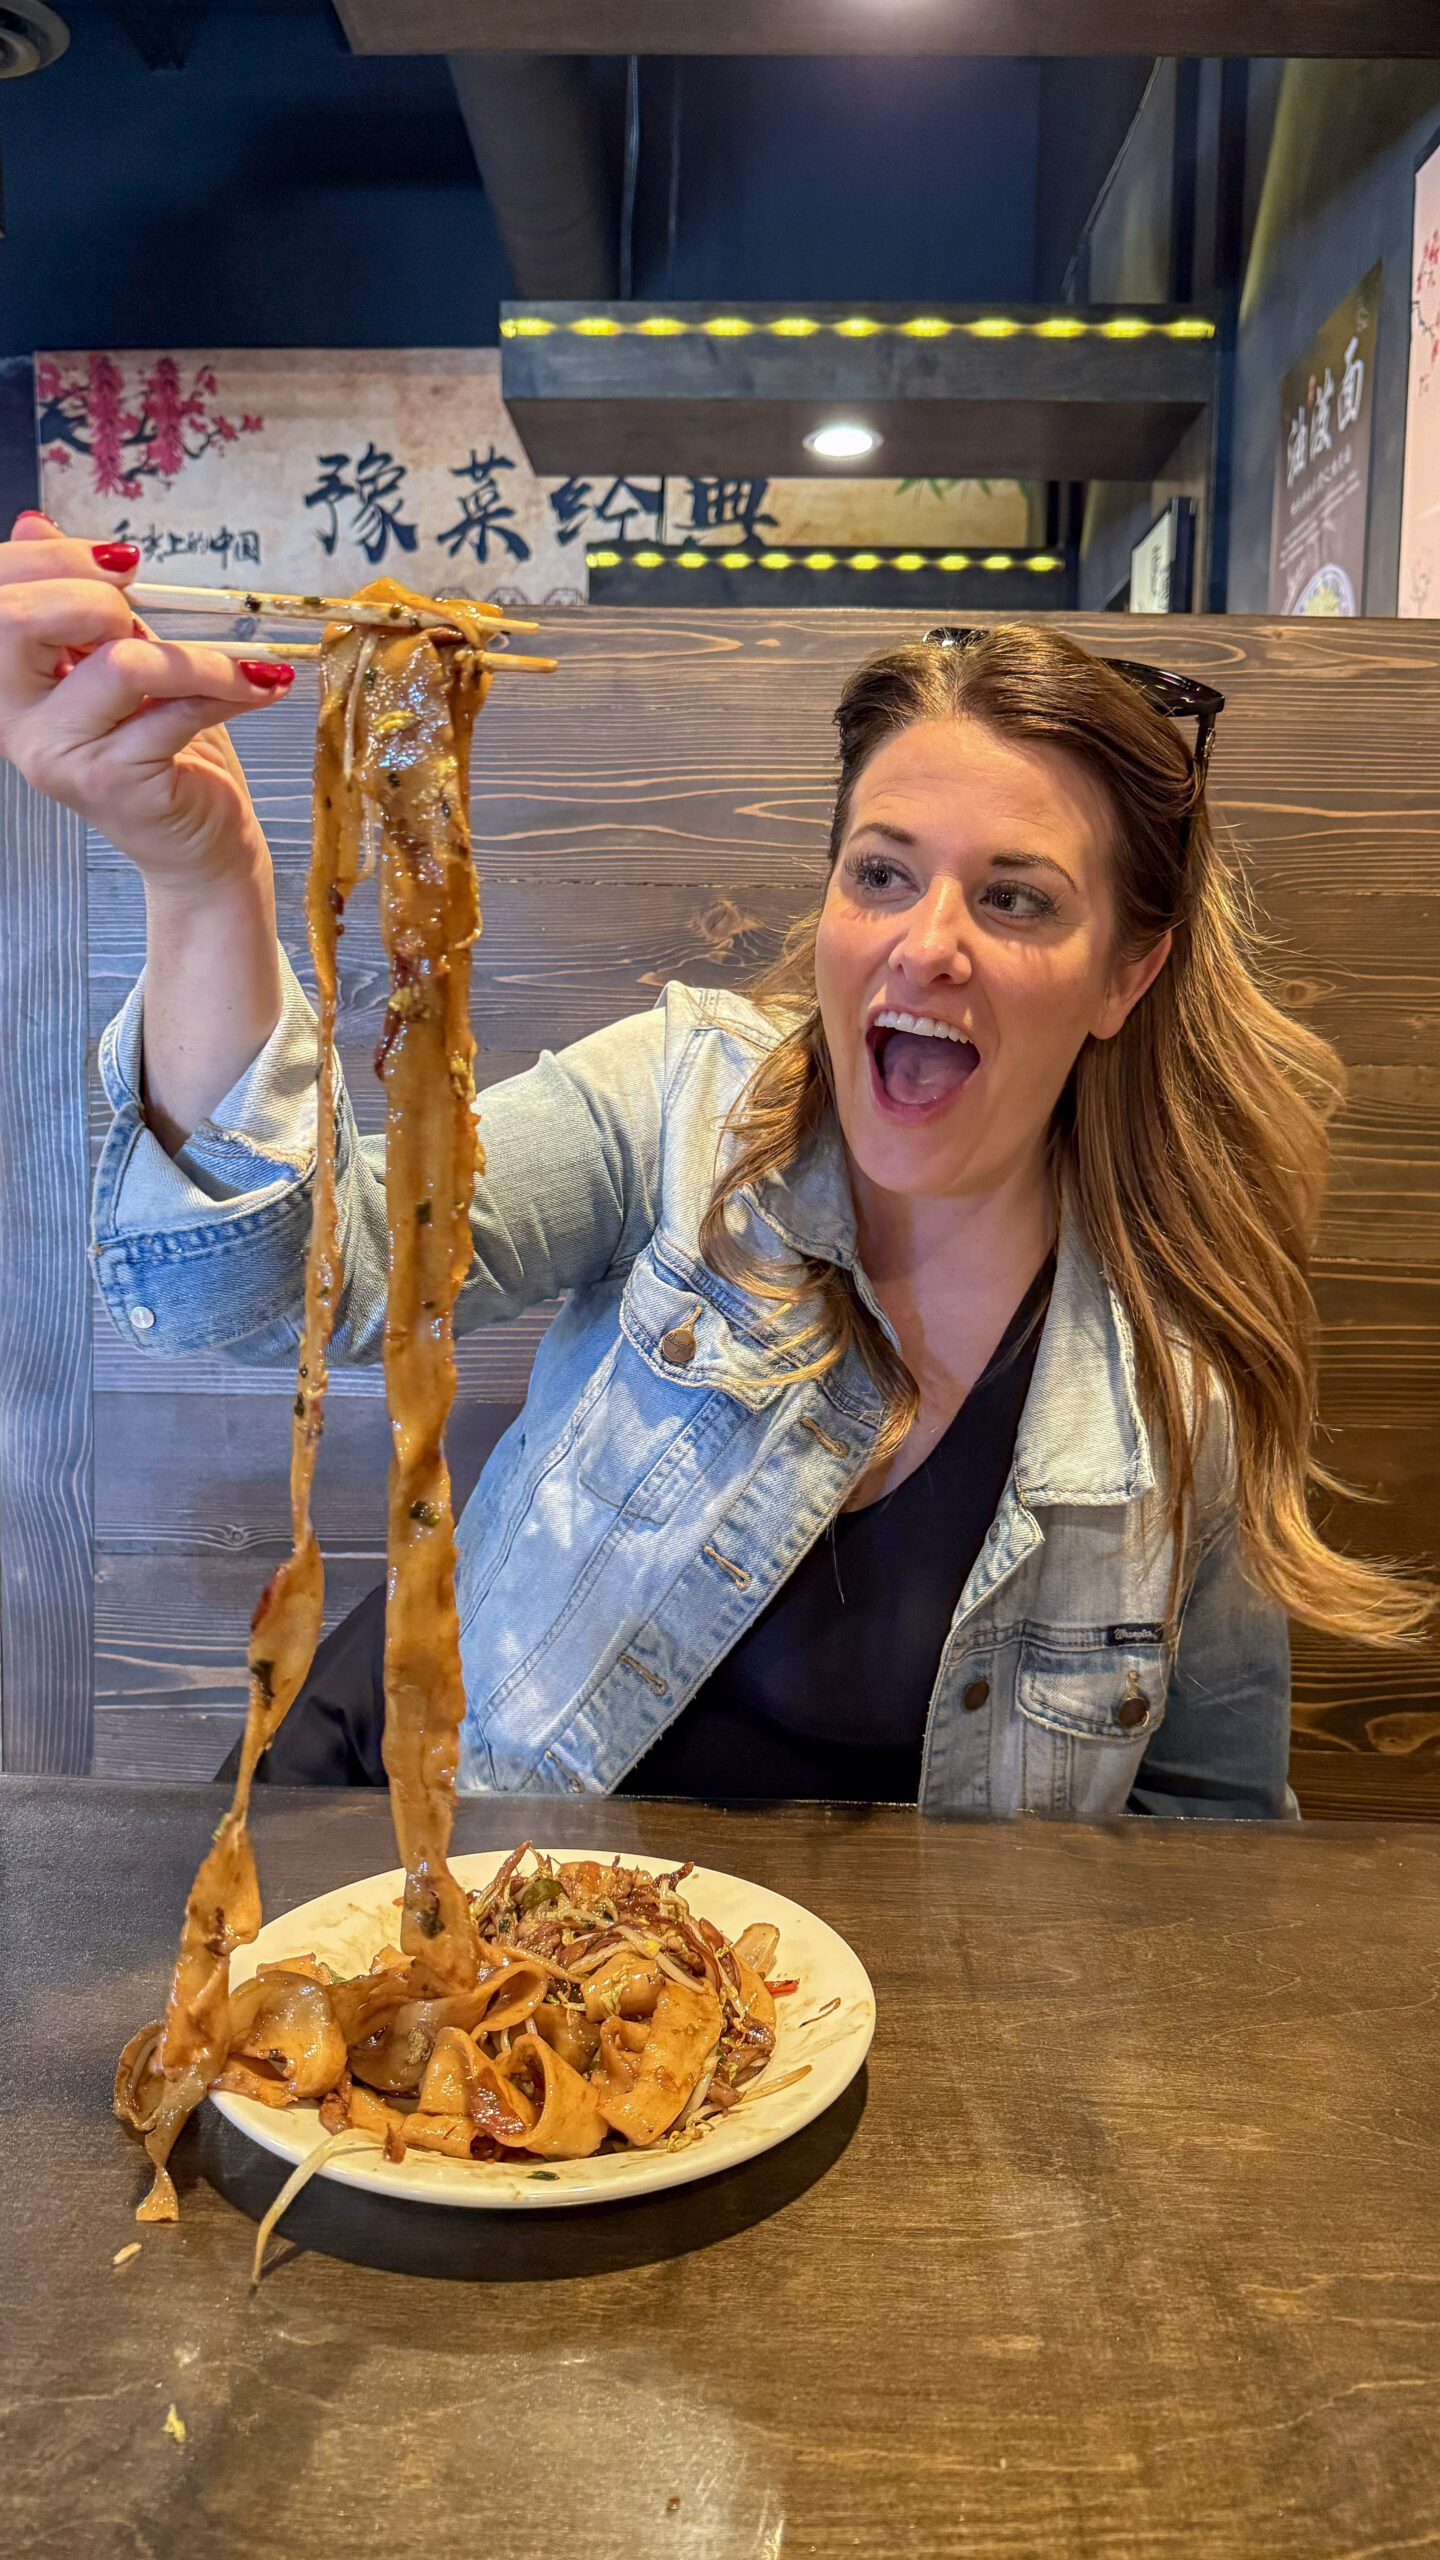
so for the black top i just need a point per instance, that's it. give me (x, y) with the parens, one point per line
(826, 1695)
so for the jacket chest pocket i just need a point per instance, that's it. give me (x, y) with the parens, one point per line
(646, 1446)
(1111, 1694)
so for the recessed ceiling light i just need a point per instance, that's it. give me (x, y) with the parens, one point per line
(843, 442)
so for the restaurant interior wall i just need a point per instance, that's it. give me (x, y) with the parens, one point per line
(1329, 153)
(1333, 195)
(661, 814)
(1149, 238)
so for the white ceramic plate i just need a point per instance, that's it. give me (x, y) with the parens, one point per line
(346, 1929)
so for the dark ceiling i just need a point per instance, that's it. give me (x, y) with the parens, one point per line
(237, 175)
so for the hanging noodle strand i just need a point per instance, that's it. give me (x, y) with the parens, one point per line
(393, 738)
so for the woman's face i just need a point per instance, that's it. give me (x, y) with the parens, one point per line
(964, 955)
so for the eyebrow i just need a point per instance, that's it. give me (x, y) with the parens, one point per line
(1032, 862)
(998, 861)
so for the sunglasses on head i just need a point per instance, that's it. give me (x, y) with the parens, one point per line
(1178, 697)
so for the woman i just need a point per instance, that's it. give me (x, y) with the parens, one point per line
(929, 1411)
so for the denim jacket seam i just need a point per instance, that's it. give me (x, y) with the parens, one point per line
(215, 1238)
(116, 1150)
(1085, 1496)
(114, 1082)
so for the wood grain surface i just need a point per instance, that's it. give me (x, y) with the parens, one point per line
(659, 809)
(45, 1429)
(1123, 2245)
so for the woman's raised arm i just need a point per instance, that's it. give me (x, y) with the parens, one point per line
(129, 732)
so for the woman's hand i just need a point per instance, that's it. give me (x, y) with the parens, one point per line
(129, 731)
(123, 728)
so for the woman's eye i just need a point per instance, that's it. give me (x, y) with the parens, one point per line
(871, 871)
(1016, 898)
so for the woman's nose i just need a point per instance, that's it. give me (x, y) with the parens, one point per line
(935, 940)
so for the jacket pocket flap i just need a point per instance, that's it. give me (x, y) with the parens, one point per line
(1107, 1693)
(681, 1333)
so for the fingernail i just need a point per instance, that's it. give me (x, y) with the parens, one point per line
(266, 671)
(34, 515)
(120, 556)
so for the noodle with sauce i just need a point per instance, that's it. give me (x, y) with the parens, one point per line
(555, 2013)
(393, 740)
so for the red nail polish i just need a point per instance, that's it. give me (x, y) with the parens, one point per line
(119, 556)
(265, 671)
(35, 515)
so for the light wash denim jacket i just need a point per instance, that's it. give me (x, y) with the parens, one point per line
(641, 1511)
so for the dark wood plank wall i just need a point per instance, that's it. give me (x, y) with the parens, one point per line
(45, 1418)
(659, 809)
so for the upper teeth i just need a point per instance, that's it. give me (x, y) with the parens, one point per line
(924, 1023)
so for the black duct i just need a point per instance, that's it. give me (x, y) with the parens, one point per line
(533, 133)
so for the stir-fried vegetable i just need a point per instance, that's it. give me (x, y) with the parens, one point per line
(604, 2014)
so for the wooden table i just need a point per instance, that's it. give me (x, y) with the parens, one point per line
(1126, 2244)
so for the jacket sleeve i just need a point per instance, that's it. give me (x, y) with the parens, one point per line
(206, 1250)
(1222, 1751)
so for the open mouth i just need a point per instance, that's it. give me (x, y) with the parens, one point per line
(918, 1063)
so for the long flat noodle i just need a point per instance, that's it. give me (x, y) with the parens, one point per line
(395, 721)
(223, 1910)
(412, 762)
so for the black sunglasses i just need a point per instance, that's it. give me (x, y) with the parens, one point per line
(1178, 697)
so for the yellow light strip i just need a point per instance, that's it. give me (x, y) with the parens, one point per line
(1043, 562)
(733, 324)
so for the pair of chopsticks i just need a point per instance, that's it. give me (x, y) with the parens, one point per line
(156, 598)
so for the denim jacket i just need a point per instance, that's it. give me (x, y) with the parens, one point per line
(664, 1477)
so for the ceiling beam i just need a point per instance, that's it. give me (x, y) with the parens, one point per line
(959, 389)
(1325, 28)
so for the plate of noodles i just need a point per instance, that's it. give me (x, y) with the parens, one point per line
(633, 2027)
(536, 2030)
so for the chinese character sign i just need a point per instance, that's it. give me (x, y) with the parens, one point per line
(1420, 502)
(834, 511)
(1322, 465)
(310, 469)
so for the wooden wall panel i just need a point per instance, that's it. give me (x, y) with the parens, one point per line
(45, 1443)
(186, 1541)
(660, 809)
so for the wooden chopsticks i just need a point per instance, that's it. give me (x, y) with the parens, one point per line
(294, 652)
(158, 598)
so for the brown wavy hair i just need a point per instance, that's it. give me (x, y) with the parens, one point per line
(1192, 1147)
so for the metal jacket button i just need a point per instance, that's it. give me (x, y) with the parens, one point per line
(1133, 1709)
(678, 1346)
(974, 1694)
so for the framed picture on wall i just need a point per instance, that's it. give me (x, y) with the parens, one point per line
(1420, 494)
(1162, 563)
(1322, 464)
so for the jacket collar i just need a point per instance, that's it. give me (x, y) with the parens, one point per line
(1082, 1437)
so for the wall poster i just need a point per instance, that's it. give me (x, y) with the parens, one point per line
(1322, 464)
(1420, 496)
(929, 515)
(305, 468)
(298, 469)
